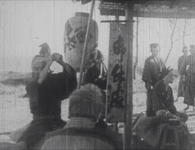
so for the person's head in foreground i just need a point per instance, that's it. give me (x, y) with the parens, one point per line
(154, 48)
(85, 105)
(87, 102)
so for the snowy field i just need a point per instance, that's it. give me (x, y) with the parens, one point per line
(15, 113)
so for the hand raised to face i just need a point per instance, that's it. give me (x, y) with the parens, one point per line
(57, 57)
(49, 59)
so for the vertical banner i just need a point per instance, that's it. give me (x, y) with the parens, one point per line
(117, 73)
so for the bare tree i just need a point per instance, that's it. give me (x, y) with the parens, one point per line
(173, 23)
(184, 32)
(138, 20)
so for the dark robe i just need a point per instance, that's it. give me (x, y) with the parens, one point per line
(190, 79)
(45, 104)
(163, 98)
(182, 72)
(151, 72)
(152, 69)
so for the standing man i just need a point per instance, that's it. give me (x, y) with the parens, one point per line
(190, 78)
(182, 72)
(46, 91)
(152, 69)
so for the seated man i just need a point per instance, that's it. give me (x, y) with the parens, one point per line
(46, 91)
(85, 108)
(163, 101)
(164, 110)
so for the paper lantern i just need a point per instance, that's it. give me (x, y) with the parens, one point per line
(75, 32)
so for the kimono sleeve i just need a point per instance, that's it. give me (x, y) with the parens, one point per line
(146, 77)
(156, 100)
(179, 64)
(169, 102)
(63, 84)
(32, 92)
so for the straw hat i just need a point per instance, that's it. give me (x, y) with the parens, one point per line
(44, 48)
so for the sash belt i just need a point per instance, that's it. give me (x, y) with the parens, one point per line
(39, 117)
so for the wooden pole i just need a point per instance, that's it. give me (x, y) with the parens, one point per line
(136, 58)
(85, 43)
(127, 136)
(116, 123)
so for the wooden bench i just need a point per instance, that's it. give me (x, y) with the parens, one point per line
(170, 136)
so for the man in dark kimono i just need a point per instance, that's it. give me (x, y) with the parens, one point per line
(189, 64)
(163, 101)
(46, 91)
(97, 73)
(152, 68)
(150, 128)
(182, 72)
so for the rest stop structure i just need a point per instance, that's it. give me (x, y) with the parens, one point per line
(120, 66)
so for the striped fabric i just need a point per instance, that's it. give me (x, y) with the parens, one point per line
(75, 143)
(79, 123)
(78, 134)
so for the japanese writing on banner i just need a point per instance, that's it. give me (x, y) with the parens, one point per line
(77, 37)
(75, 33)
(117, 73)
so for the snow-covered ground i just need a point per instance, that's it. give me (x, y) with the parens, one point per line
(15, 113)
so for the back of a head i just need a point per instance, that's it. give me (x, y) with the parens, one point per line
(87, 102)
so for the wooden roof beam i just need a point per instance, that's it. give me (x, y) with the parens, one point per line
(172, 3)
(165, 14)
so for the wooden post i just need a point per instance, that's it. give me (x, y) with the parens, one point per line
(129, 97)
(85, 44)
(116, 123)
(136, 58)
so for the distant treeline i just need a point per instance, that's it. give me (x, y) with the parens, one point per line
(14, 82)
(15, 78)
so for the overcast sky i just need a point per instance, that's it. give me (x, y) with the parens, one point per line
(27, 24)
(24, 25)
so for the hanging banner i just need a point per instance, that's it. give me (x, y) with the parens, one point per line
(117, 73)
(75, 32)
